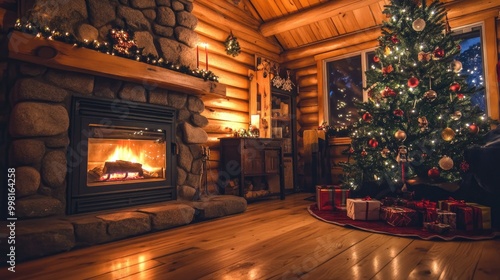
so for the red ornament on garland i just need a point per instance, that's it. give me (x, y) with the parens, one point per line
(394, 39)
(367, 117)
(398, 113)
(455, 87)
(387, 70)
(438, 53)
(376, 59)
(388, 92)
(364, 153)
(413, 82)
(373, 143)
(460, 96)
(433, 172)
(473, 128)
(464, 166)
(351, 150)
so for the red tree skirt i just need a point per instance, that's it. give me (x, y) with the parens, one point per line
(340, 218)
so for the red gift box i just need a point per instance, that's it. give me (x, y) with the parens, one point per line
(451, 204)
(425, 208)
(331, 196)
(470, 217)
(399, 216)
(465, 218)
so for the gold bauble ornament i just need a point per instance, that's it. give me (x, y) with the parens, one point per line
(446, 163)
(430, 95)
(448, 134)
(387, 51)
(385, 152)
(400, 135)
(456, 66)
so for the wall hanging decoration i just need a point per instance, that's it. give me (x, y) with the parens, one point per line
(232, 45)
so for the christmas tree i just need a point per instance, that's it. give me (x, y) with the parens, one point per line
(418, 119)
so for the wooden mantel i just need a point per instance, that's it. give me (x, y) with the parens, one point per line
(63, 56)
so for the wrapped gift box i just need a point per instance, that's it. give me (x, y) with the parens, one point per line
(450, 204)
(465, 218)
(399, 216)
(426, 210)
(363, 209)
(437, 227)
(447, 217)
(485, 215)
(329, 197)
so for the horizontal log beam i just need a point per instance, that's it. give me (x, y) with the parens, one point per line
(227, 103)
(312, 15)
(218, 47)
(25, 47)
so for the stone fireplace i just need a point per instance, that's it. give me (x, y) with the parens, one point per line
(66, 139)
(121, 145)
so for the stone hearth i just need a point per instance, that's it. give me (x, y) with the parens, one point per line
(39, 125)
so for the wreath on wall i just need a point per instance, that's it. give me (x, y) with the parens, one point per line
(232, 45)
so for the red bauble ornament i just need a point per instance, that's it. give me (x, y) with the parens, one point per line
(398, 113)
(373, 143)
(455, 87)
(438, 53)
(376, 59)
(459, 47)
(394, 39)
(473, 128)
(460, 96)
(367, 117)
(364, 153)
(433, 172)
(464, 166)
(413, 82)
(351, 150)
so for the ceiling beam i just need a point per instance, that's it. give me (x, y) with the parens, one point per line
(305, 17)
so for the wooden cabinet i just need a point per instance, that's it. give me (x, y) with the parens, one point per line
(252, 167)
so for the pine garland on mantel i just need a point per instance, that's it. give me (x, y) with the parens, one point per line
(134, 52)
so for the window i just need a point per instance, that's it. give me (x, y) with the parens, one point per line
(345, 77)
(471, 57)
(344, 86)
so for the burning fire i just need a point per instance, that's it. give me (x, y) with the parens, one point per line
(125, 152)
(124, 160)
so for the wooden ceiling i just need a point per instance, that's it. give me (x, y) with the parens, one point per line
(299, 23)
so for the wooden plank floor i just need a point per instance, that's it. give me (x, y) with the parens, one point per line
(273, 239)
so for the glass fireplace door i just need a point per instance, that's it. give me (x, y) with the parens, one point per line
(122, 155)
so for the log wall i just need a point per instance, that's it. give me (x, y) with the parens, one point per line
(216, 20)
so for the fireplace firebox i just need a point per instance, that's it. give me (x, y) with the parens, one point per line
(122, 153)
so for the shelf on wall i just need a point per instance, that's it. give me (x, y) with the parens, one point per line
(63, 56)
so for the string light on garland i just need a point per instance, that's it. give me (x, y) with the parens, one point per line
(232, 45)
(123, 47)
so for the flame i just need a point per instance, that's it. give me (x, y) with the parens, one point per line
(126, 151)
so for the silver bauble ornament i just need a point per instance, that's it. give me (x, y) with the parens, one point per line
(418, 24)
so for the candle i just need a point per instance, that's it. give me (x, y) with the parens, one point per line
(197, 57)
(206, 57)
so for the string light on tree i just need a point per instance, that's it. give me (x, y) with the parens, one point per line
(403, 110)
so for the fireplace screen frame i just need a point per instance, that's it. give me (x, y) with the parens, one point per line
(117, 113)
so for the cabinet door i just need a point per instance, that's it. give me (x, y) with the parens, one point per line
(252, 161)
(272, 161)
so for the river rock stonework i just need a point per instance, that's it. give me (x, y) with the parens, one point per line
(39, 129)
